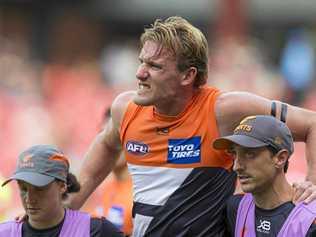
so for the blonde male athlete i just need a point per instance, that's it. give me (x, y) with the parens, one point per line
(166, 128)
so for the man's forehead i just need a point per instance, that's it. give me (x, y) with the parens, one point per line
(153, 50)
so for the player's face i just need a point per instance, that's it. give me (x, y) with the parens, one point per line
(255, 168)
(158, 77)
(42, 204)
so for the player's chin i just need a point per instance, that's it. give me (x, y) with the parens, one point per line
(36, 215)
(142, 100)
(247, 188)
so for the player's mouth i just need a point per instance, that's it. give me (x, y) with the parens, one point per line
(32, 210)
(142, 88)
(244, 178)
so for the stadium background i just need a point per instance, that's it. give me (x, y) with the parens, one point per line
(62, 63)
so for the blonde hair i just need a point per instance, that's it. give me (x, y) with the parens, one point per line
(186, 42)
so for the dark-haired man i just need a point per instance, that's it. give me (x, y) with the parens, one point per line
(261, 146)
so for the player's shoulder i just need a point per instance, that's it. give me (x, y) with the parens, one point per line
(121, 100)
(231, 107)
(124, 97)
(7, 223)
(233, 201)
(7, 226)
(230, 98)
(120, 103)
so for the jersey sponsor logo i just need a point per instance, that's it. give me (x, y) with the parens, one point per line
(136, 148)
(264, 226)
(184, 151)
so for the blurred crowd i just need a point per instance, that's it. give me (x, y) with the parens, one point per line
(56, 83)
(57, 100)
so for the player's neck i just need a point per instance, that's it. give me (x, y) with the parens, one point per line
(279, 192)
(177, 104)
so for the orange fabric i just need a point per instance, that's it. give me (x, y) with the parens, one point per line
(118, 194)
(61, 158)
(142, 124)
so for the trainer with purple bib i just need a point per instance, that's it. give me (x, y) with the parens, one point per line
(261, 147)
(44, 180)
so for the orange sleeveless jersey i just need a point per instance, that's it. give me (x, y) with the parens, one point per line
(183, 141)
(180, 183)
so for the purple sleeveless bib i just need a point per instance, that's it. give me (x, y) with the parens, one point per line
(297, 223)
(11, 229)
(76, 223)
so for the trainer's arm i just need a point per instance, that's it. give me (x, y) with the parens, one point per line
(102, 154)
(231, 107)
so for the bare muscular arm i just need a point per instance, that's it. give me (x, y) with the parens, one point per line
(231, 107)
(102, 153)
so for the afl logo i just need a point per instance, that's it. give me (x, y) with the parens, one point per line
(137, 148)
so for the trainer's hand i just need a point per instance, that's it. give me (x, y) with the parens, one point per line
(304, 192)
(21, 218)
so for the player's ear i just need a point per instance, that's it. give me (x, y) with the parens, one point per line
(62, 186)
(189, 76)
(280, 158)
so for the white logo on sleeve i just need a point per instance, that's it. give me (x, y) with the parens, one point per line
(264, 226)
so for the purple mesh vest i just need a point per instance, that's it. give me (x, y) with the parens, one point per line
(296, 224)
(76, 223)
